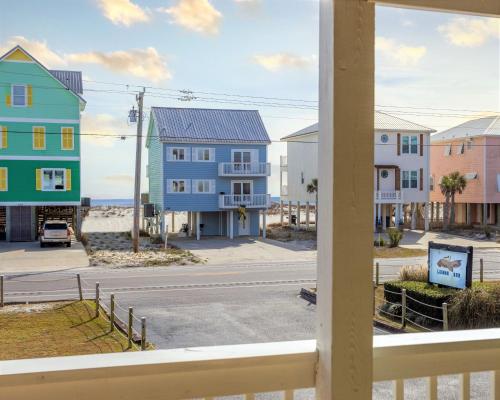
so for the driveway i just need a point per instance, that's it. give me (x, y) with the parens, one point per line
(28, 256)
(245, 250)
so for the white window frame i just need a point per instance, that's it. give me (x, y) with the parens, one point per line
(211, 154)
(210, 182)
(62, 138)
(45, 138)
(12, 95)
(409, 173)
(410, 137)
(6, 179)
(242, 181)
(187, 185)
(187, 154)
(54, 189)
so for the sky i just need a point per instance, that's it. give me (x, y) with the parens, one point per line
(435, 69)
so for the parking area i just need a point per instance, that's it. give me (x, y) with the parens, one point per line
(28, 256)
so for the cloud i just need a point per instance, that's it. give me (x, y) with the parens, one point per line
(142, 63)
(399, 53)
(470, 32)
(37, 49)
(122, 12)
(196, 15)
(278, 61)
(119, 178)
(101, 129)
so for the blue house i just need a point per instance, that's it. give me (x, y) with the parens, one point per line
(212, 164)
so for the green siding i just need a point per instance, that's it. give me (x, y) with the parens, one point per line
(22, 182)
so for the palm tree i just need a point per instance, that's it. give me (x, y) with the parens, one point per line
(451, 185)
(313, 188)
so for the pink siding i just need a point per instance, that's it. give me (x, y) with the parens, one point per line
(471, 161)
(492, 169)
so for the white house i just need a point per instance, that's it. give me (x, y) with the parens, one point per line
(401, 171)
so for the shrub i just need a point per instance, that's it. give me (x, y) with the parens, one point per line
(477, 307)
(395, 236)
(379, 243)
(417, 273)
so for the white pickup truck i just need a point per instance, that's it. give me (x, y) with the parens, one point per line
(55, 231)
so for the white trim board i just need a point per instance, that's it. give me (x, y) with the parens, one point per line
(40, 120)
(40, 158)
(39, 203)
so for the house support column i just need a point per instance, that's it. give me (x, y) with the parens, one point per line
(384, 217)
(189, 223)
(468, 216)
(264, 224)
(298, 215)
(198, 222)
(344, 323)
(432, 211)
(289, 213)
(485, 214)
(231, 224)
(396, 215)
(426, 216)
(379, 213)
(307, 215)
(281, 212)
(413, 216)
(173, 221)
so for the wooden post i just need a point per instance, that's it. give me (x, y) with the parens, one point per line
(130, 323)
(377, 273)
(403, 308)
(112, 312)
(298, 215)
(481, 270)
(97, 299)
(346, 154)
(1, 291)
(308, 219)
(143, 334)
(80, 293)
(445, 316)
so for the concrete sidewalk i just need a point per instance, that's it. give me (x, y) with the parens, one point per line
(28, 256)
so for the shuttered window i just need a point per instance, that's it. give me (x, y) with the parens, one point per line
(410, 180)
(52, 180)
(4, 138)
(178, 186)
(203, 154)
(410, 145)
(19, 95)
(206, 186)
(178, 154)
(39, 138)
(3, 179)
(67, 138)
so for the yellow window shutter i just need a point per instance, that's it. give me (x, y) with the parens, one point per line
(68, 179)
(3, 179)
(8, 102)
(30, 95)
(38, 179)
(4, 137)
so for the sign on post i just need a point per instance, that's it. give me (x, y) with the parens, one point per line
(450, 265)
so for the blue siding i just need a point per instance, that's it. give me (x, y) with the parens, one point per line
(155, 169)
(206, 170)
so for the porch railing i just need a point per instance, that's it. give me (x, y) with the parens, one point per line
(206, 372)
(244, 169)
(387, 196)
(247, 200)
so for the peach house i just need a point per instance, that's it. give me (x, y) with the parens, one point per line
(473, 149)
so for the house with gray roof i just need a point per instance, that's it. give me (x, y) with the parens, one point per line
(212, 165)
(401, 173)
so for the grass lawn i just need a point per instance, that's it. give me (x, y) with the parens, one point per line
(56, 329)
(397, 252)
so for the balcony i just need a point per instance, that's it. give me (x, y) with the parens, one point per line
(206, 372)
(388, 196)
(247, 200)
(245, 169)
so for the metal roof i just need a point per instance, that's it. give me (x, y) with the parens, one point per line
(70, 79)
(383, 122)
(489, 126)
(209, 125)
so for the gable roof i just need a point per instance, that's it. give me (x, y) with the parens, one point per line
(383, 122)
(209, 125)
(71, 80)
(486, 126)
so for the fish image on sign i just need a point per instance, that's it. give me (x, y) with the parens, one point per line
(450, 265)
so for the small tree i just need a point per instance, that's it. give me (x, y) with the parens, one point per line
(313, 188)
(451, 185)
(395, 236)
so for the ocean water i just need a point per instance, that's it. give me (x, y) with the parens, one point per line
(112, 202)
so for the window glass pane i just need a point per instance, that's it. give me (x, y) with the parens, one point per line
(200, 187)
(59, 180)
(413, 179)
(206, 155)
(47, 179)
(237, 188)
(181, 186)
(237, 157)
(406, 144)
(414, 145)
(246, 188)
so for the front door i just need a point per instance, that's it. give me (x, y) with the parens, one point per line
(244, 224)
(20, 224)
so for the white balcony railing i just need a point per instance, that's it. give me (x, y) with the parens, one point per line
(388, 196)
(206, 372)
(247, 200)
(244, 169)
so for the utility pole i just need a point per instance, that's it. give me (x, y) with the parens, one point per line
(137, 188)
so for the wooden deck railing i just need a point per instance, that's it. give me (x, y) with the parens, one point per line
(248, 369)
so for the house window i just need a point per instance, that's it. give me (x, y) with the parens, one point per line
(19, 96)
(410, 145)
(178, 154)
(38, 138)
(203, 154)
(178, 186)
(410, 179)
(384, 174)
(447, 150)
(3, 179)
(203, 186)
(67, 138)
(461, 148)
(53, 180)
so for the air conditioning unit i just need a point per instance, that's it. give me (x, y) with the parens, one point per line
(149, 210)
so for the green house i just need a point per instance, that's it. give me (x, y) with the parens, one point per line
(39, 145)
